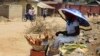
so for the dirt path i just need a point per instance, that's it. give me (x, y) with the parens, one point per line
(12, 42)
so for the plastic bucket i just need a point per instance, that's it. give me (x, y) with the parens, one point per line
(37, 53)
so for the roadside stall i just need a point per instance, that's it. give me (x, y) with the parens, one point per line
(42, 6)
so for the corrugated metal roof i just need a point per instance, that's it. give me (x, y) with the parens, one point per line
(50, 2)
(43, 5)
(94, 3)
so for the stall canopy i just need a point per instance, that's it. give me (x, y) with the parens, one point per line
(43, 5)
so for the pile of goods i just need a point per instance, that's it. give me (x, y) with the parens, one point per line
(36, 43)
(70, 48)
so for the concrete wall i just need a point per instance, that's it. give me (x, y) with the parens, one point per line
(4, 10)
(11, 11)
(60, 1)
(15, 11)
(34, 4)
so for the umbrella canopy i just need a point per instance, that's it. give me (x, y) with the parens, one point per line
(43, 5)
(84, 24)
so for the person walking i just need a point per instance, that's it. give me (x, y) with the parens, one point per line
(31, 14)
(44, 13)
(28, 6)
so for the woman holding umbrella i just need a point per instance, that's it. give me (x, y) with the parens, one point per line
(71, 33)
(74, 19)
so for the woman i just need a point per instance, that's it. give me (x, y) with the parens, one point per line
(44, 13)
(68, 36)
(71, 33)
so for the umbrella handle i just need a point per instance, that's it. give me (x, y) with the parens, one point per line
(61, 14)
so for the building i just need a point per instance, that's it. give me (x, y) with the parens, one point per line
(52, 3)
(55, 3)
(8, 8)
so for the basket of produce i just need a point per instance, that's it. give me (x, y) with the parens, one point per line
(37, 48)
(36, 43)
(69, 48)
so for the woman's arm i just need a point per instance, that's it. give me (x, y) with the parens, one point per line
(77, 32)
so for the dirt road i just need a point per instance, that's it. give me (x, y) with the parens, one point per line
(12, 42)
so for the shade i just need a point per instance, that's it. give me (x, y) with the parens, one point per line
(84, 24)
(43, 5)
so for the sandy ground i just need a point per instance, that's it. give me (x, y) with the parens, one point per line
(12, 42)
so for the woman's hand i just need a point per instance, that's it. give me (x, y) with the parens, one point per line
(57, 33)
(61, 32)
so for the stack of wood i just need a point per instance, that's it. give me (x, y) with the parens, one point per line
(40, 41)
(38, 49)
(35, 43)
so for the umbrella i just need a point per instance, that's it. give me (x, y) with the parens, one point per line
(83, 22)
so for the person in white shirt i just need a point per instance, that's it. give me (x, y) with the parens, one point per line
(44, 13)
(31, 13)
(71, 33)
(68, 36)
